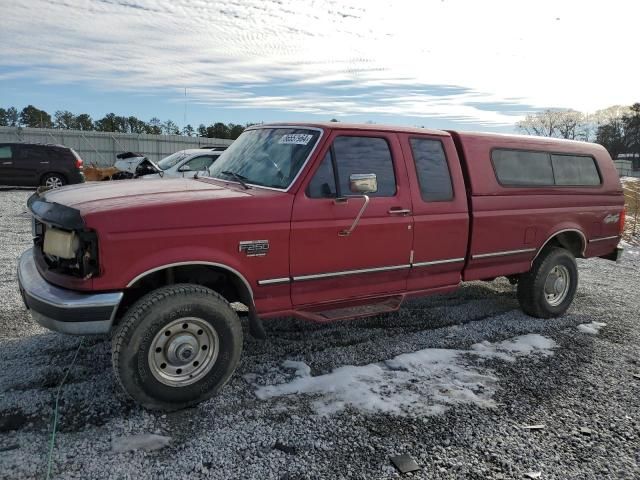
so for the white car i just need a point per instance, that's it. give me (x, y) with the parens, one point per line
(185, 163)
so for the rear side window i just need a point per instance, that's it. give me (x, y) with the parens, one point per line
(518, 167)
(575, 170)
(526, 168)
(33, 153)
(5, 151)
(354, 155)
(432, 169)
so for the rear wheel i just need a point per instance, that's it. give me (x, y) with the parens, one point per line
(53, 180)
(176, 347)
(548, 289)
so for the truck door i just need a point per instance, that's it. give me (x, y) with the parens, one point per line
(7, 159)
(440, 213)
(333, 257)
(29, 162)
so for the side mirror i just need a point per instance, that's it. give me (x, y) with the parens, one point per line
(363, 183)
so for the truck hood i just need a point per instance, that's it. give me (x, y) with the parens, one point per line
(89, 198)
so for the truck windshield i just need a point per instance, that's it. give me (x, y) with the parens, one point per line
(269, 157)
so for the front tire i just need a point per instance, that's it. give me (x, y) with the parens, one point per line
(548, 289)
(176, 347)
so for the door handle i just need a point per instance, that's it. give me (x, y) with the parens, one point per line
(399, 211)
(7, 163)
(45, 162)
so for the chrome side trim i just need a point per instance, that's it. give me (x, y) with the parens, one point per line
(584, 240)
(602, 239)
(349, 272)
(258, 127)
(274, 281)
(195, 262)
(437, 262)
(503, 253)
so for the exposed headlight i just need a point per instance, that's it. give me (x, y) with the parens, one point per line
(60, 243)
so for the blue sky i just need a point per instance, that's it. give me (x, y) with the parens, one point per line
(439, 63)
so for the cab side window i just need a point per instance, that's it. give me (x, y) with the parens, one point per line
(5, 152)
(349, 155)
(432, 169)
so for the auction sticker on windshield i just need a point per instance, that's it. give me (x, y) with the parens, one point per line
(296, 139)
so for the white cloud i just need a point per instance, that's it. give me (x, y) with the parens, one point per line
(337, 57)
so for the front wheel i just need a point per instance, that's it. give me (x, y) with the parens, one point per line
(548, 289)
(53, 180)
(176, 347)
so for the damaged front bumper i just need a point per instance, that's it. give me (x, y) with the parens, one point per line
(62, 310)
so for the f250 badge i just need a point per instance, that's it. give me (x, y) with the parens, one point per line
(611, 218)
(254, 248)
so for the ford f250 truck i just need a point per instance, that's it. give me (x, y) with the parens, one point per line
(322, 222)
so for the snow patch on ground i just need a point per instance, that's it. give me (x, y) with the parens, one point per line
(423, 382)
(510, 349)
(625, 180)
(592, 328)
(145, 441)
(301, 368)
(629, 249)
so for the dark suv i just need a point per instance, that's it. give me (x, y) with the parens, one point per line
(33, 164)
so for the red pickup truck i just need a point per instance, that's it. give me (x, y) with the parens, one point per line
(318, 221)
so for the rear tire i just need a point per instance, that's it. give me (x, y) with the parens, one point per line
(548, 289)
(176, 347)
(53, 180)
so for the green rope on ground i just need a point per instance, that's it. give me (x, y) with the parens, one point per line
(55, 410)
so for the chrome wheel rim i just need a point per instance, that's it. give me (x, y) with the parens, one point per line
(556, 286)
(53, 182)
(183, 352)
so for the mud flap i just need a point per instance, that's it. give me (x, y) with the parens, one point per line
(256, 329)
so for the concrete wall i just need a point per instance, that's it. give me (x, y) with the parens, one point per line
(100, 148)
(625, 167)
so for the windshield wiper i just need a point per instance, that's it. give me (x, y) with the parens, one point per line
(239, 178)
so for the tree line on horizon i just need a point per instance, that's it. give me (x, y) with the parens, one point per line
(616, 128)
(33, 117)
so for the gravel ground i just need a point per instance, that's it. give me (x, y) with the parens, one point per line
(585, 393)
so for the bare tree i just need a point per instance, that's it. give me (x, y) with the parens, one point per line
(569, 124)
(611, 114)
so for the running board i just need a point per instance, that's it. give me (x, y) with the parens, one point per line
(351, 309)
